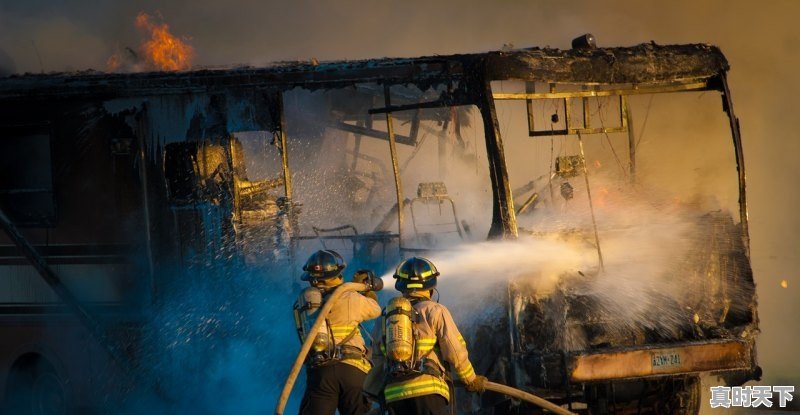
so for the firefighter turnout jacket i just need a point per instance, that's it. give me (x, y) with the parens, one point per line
(438, 346)
(343, 321)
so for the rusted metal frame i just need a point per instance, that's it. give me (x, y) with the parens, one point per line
(439, 103)
(528, 202)
(693, 86)
(568, 129)
(441, 151)
(148, 233)
(237, 197)
(339, 229)
(727, 106)
(358, 237)
(530, 88)
(57, 285)
(602, 130)
(356, 148)
(287, 178)
(413, 132)
(591, 205)
(439, 201)
(359, 130)
(628, 117)
(504, 220)
(287, 175)
(395, 167)
(587, 118)
(631, 64)
(680, 358)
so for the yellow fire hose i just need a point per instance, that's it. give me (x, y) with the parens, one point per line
(298, 363)
(527, 397)
(323, 313)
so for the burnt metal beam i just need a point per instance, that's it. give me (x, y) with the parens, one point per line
(387, 94)
(632, 90)
(284, 148)
(642, 64)
(383, 135)
(658, 361)
(647, 63)
(504, 220)
(53, 280)
(727, 105)
(628, 116)
(439, 103)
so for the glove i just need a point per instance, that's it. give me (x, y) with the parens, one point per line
(368, 277)
(478, 385)
(371, 294)
(362, 276)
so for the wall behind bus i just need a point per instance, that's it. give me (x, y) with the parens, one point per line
(760, 40)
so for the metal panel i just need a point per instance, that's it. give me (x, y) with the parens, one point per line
(690, 358)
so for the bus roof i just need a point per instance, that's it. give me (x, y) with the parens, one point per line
(644, 64)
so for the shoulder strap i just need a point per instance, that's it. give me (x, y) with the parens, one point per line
(351, 335)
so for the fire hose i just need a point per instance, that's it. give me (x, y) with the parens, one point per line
(301, 356)
(527, 397)
(323, 313)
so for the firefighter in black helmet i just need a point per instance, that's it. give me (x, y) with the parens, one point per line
(419, 341)
(337, 363)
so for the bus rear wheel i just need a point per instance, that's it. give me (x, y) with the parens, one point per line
(34, 388)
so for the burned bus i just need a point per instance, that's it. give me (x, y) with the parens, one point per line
(620, 169)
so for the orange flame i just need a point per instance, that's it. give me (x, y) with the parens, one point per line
(163, 51)
(114, 62)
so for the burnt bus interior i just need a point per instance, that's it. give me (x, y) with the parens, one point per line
(114, 185)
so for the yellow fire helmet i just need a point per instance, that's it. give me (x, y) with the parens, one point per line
(415, 273)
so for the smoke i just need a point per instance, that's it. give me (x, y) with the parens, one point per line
(759, 40)
(7, 66)
(644, 282)
(218, 346)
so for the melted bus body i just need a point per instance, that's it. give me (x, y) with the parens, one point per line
(118, 188)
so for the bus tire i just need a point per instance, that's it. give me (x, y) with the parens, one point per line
(35, 388)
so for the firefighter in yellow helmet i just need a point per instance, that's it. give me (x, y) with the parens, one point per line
(419, 343)
(337, 362)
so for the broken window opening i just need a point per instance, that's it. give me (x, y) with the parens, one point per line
(677, 154)
(26, 178)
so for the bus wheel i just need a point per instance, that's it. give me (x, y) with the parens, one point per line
(680, 396)
(35, 388)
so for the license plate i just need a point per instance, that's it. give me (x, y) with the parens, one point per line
(665, 360)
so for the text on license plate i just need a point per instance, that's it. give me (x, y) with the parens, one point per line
(665, 360)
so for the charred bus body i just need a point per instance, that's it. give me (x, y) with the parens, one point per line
(113, 184)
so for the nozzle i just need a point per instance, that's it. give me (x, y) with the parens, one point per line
(376, 283)
(368, 278)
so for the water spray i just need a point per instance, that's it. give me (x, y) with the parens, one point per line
(323, 314)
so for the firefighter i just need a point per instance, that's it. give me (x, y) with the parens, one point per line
(337, 362)
(419, 343)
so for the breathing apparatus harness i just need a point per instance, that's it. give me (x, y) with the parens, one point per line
(320, 266)
(325, 349)
(400, 336)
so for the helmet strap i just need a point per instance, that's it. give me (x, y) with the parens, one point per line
(421, 294)
(331, 282)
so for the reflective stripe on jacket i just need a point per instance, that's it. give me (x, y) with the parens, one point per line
(344, 318)
(438, 339)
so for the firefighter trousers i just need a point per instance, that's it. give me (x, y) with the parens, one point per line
(334, 386)
(432, 404)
